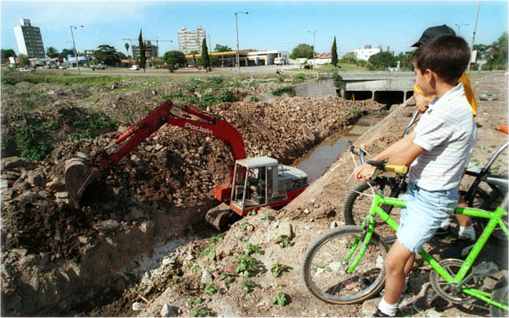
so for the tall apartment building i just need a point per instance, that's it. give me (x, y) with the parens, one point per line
(151, 50)
(29, 39)
(191, 40)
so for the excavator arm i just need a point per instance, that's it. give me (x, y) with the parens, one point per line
(78, 175)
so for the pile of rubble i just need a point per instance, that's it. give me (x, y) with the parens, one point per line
(175, 168)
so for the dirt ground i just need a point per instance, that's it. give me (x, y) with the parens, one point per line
(157, 193)
(202, 278)
(232, 274)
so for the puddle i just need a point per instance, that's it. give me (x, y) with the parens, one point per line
(318, 160)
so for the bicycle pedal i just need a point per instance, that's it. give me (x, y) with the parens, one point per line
(466, 250)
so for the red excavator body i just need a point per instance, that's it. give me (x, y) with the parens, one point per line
(79, 173)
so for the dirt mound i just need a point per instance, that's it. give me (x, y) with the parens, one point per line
(174, 168)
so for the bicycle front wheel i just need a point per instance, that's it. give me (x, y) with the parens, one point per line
(326, 262)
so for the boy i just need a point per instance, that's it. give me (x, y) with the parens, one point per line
(436, 152)
(466, 229)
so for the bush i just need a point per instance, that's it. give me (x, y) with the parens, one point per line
(34, 140)
(289, 90)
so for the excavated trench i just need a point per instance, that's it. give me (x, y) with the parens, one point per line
(123, 252)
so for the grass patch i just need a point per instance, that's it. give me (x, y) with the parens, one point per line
(281, 299)
(288, 90)
(14, 77)
(278, 269)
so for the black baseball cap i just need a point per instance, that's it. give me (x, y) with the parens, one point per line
(433, 32)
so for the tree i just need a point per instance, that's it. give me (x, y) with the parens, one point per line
(23, 60)
(67, 52)
(334, 53)
(51, 52)
(205, 60)
(143, 58)
(405, 60)
(174, 59)
(107, 55)
(6, 53)
(193, 54)
(349, 58)
(382, 60)
(302, 51)
(126, 45)
(222, 48)
(497, 56)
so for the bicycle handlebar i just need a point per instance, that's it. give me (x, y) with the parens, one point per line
(379, 164)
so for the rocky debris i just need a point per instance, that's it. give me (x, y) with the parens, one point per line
(169, 311)
(137, 306)
(369, 307)
(175, 168)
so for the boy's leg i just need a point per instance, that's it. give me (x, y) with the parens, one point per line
(466, 230)
(398, 263)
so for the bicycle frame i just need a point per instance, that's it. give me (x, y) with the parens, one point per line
(376, 210)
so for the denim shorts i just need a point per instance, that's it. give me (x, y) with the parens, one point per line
(424, 212)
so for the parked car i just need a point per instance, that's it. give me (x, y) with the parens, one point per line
(135, 67)
(99, 66)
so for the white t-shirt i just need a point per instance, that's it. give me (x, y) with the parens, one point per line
(446, 133)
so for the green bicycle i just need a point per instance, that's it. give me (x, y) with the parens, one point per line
(346, 265)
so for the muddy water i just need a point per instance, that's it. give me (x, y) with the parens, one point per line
(318, 160)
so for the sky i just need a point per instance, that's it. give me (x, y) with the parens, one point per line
(277, 25)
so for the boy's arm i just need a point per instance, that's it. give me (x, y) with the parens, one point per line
(402, 152)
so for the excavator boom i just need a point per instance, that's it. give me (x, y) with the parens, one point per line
(80, 172)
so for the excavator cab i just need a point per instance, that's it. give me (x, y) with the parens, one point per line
(254, 184)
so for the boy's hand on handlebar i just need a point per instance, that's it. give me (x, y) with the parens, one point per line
(364, 172)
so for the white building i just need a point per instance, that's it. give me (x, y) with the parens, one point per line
(29, 39)
(366, 52)
(191, 40)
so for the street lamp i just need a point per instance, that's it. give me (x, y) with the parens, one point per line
(237, 30)
(314, 38)
(74, 45)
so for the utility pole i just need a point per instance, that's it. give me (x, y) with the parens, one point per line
(237, 30)
(314, 39)
(74, 46)
(475, 28)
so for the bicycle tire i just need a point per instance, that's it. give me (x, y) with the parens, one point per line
(360, 296)
(352, 197)
(500, 293)
(486, 203)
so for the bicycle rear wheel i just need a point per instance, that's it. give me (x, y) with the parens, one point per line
(500, 294)
(327, 259)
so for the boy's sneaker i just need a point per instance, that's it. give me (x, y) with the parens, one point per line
(467, 233)
(444, 228)
(379, 313)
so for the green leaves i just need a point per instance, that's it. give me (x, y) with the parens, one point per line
(281, 299)
(247, 266)
(278, 269)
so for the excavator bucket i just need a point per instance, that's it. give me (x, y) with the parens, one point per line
(78, 175)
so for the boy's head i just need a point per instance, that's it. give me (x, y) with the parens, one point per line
(441, 60)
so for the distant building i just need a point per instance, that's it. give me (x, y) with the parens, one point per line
(366, 52)
(191, 40)
(150, 50)
(29, 39)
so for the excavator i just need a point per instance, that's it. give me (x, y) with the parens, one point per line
(253, 182)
